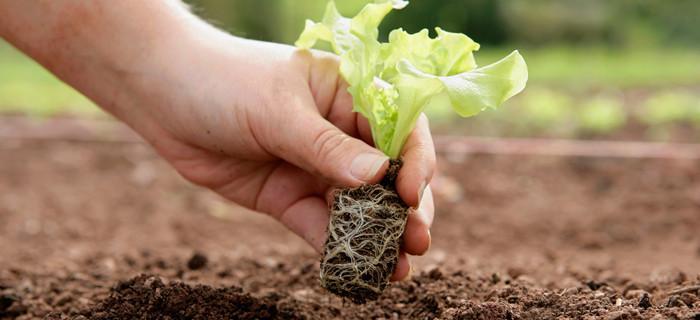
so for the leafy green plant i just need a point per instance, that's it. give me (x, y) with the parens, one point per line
(391, 83)
(664, 111)
(543, 108)
(668, 107)
(601, 115)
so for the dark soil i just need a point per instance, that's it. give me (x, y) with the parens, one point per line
(149, 296)
(108, 231)
(364, 238)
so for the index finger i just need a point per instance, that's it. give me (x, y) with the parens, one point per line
(418, 157)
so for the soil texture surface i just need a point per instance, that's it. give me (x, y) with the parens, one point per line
(109, 231)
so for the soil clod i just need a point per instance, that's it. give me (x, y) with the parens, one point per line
(594, 285)
(675, 302)
(11, 306)
(645, 302)
(6, 302)
(364, 238)
(147, 297)
(197, 261)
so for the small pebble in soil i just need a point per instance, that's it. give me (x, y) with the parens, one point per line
(435, 274)
(197, 261)
(618, 302)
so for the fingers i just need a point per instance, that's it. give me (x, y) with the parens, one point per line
(308, 218)
(417, 238)
(403, 268)
(297, 201)
(283, 186)
(295, 198)
(340, 112)
(412, 184)
(317, 146)
(341, 115)
(418, 163)
(363, 130)
(334, 102)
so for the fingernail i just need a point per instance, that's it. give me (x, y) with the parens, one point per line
(366, 166)
(430, 240)
(421, 191)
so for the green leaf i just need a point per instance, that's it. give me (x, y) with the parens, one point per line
(391, 83)
(468, 93)
(486, 87)
(448, 54)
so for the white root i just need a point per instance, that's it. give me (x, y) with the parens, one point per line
(364, 234)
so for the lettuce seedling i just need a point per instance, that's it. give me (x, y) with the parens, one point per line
(391, 84)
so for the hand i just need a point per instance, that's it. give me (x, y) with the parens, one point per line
(265, 125)
(272, 128)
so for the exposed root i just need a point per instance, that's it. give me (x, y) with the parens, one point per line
(364, 236)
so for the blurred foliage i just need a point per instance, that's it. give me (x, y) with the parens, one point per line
(585, 67)
(666, 112)
(543, 108)
(25, 87)
(601, 115)
(661, 114)
(612, 23)
(595, 66)
(670, 107)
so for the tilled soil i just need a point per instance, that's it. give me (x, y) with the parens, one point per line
(109, 231)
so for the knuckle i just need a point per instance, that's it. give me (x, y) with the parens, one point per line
(327, 144)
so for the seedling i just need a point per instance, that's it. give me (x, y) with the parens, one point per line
(391, 83)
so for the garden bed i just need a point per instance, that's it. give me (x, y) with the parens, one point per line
(107, 231)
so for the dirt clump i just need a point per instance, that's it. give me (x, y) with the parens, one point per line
(11, 306)
(197, 261)
(364, 237)
(148, 297)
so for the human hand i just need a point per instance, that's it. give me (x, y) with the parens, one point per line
(272, 128)
(265, 125)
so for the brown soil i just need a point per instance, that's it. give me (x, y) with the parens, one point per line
(515, 237)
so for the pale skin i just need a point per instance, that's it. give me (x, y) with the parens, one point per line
(264, 125)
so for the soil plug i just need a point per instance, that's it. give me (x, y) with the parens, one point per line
(364, 235)
(391, 84)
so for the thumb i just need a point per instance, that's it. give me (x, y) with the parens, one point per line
(317, 146)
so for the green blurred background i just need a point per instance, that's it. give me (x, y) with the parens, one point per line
(624, 69)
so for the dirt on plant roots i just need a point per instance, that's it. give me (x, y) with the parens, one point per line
(109, 231)
(364, 238)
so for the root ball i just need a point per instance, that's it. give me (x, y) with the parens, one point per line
(364, 238)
